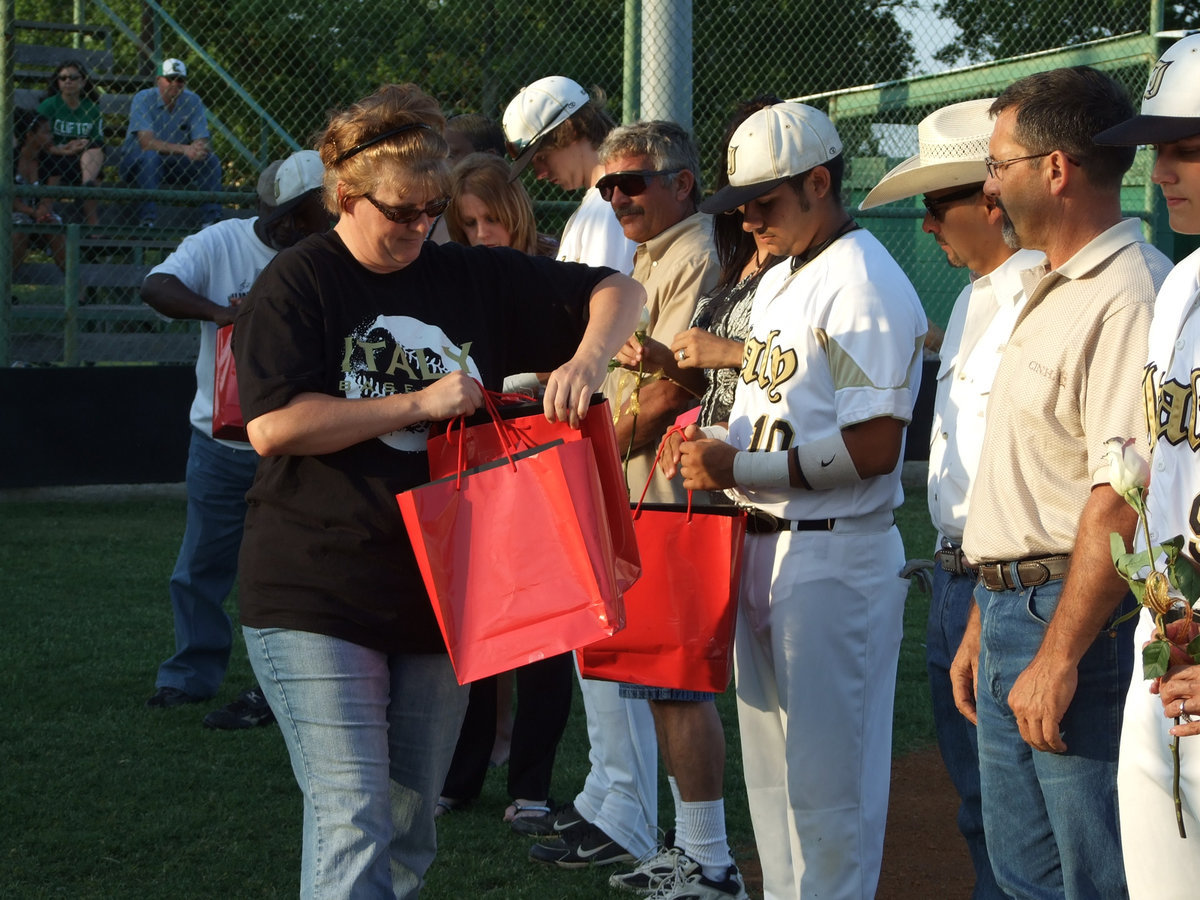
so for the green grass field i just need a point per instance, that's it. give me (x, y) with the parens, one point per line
(101, 797)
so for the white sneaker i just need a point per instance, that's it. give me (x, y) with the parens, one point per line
(694, 886)
(652, 870)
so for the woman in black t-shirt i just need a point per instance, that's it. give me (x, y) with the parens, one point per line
(348, 345)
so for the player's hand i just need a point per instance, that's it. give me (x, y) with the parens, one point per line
(668, 460)
(706, 465)
(1181, 683)
(454, 394)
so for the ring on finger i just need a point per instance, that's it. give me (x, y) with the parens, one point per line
(681, 354)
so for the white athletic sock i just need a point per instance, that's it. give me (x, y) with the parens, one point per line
(707, 843)
(680, 825)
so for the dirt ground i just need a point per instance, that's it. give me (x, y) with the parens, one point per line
(923, 854)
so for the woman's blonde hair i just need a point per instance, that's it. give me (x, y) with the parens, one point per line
(395, 134)
(485, 176)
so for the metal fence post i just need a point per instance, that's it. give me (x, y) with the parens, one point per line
(667, 61)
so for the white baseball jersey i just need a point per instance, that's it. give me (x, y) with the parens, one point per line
(1170, 383)
(834, 343)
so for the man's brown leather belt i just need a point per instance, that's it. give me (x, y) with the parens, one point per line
(952, 560)
(998, 576)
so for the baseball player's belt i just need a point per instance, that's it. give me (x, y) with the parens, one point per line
(1023, 573)
(760, 521)
(952, 561)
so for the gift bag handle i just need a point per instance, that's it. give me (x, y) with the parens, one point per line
(490, 399)
(674, 429)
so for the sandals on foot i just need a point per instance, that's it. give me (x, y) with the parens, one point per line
(533, 820)
(446, 805)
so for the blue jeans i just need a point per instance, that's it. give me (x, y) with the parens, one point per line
(217, 480)
(948, 610)
(149, 170)
(370, 736)
(1051, 819)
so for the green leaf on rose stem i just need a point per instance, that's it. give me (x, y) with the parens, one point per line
(1128, 564)
(1184, 576)
(1156, 656)
(1137, 587)
(1193, 649)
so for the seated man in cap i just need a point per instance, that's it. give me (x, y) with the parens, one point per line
(831, 367)
(167, 142)
(205, 279)
(949, 171)
(1159, 711)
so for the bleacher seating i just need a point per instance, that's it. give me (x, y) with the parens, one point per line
(108, 322)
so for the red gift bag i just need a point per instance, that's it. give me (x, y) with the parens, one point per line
(227, 407)
(478, 440)
(679, 617)
(516, 558)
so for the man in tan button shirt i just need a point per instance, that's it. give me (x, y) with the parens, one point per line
(1040, 667)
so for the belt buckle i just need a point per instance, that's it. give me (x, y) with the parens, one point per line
(759, 521)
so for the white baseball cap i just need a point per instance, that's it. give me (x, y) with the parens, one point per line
(953, 143)
(172, 67)
(1170, 103)
(285, 183)
(770, 147)
(537, 110)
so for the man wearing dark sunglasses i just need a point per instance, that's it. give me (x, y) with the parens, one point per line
(648, 174)
(949, 172)
(167, 142)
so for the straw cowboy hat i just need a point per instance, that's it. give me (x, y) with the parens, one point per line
(953, 143)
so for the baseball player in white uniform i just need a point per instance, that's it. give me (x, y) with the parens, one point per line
(829, 375)
(1157, 864)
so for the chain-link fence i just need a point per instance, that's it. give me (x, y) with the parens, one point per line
(269, 73)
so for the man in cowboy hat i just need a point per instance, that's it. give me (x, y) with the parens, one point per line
(1170, 121)
(949, 171)
(831, 368)
(1042, 666)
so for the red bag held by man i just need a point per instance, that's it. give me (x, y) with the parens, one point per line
(477, 440)
(517, 558)
(227, 406)
(679, 617)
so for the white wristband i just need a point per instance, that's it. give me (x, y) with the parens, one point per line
(762, 469)
(715, 432)
(825, 463)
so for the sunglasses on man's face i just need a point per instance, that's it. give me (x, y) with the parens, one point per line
(937, 206)
(631, 184)
(406, 215)
(175, 79)
(67, 77)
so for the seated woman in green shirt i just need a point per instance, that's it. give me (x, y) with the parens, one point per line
(77, 154)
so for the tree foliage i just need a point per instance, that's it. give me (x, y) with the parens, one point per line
(301, 59)
(997, 29)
